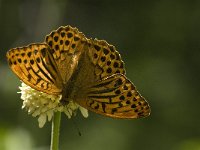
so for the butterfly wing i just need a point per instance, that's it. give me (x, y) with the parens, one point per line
(35, 66)
(105, 58)
(109, 92)
(116, 97)
(66, 45)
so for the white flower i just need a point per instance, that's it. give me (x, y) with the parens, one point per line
(43, 105)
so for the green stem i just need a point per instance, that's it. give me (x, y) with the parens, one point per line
(55, 131)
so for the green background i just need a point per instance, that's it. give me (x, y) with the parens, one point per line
(159, 43)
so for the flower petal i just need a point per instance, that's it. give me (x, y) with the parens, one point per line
(42, 120)
(83, 111)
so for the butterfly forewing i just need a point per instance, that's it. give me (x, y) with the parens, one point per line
(34, 65)
(107, 61)
(66, 45)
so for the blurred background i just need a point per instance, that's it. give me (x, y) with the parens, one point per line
(159, 43)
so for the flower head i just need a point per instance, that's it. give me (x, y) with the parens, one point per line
(44, 105)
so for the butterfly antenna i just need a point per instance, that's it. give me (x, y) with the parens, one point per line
(76, 126)
(74, 122)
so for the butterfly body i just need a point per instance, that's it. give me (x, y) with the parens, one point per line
(87, 71)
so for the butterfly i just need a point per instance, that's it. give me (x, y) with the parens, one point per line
(87, 71)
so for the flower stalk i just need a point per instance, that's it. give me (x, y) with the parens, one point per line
(55, 131)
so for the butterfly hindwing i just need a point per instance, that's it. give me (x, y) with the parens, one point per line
(34, 65)
(116, 97)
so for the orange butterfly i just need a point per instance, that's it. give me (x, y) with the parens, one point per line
(87, 71)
